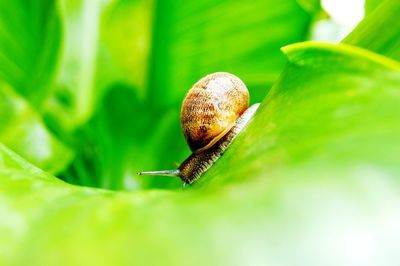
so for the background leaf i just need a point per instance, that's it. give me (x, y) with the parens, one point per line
(22, 129)
(197, 39)
(29, 46)
(370, 5)
(380, 32)
(71, 103)
(135, 124)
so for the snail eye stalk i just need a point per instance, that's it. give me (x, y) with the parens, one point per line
(162, 173)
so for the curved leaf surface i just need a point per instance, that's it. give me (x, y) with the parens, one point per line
(322, 165)
(29, 47)
(332, 108)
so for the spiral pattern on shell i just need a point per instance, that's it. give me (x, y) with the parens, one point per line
(211, 108)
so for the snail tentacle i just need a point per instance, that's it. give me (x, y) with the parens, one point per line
(162, 173)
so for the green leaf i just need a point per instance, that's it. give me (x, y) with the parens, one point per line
(370, 5)
(241, 37)
(312, 6)
(29, 45)
(315, 169)
(72, 100)
(334, 108)
(19, 197)
(105, 44)
(22, 129)
(125, 42)
(379, 32)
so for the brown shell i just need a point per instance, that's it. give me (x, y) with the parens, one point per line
(211, 108)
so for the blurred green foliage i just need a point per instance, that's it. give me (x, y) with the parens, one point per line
(108, 77)
(380, 33)
(30, 33)
(311, 181)
(370, 5)
(29, 48)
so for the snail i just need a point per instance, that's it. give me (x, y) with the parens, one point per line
(213, 113)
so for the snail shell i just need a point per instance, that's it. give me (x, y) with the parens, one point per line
(213, 113)
(211, 108)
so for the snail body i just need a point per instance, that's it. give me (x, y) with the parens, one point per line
(213, 113)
